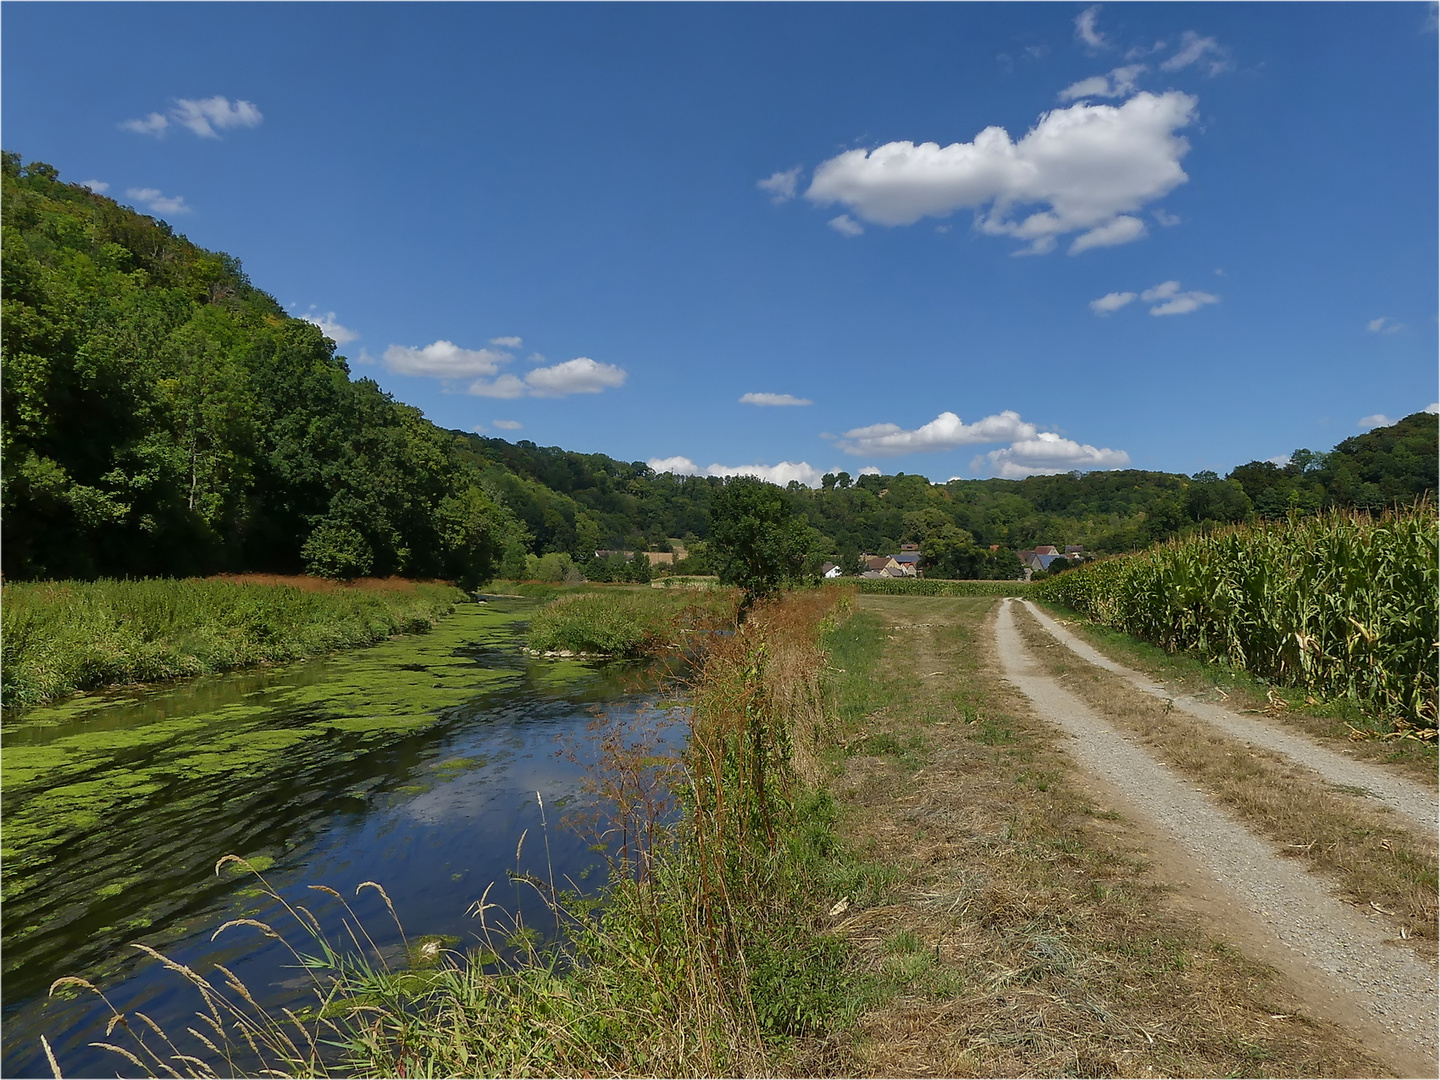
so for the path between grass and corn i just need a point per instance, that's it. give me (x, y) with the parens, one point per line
(1040, 923)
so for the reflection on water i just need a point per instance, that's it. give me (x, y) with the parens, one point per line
(414, 763)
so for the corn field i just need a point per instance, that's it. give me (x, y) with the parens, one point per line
(1341, 605)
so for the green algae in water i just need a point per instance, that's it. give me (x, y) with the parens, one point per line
(87, 792)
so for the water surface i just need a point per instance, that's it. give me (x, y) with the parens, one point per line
(417, 763)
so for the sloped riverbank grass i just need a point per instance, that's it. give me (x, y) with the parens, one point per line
(629, 623)
(1341, 605)
(710, 952)
(64, 636)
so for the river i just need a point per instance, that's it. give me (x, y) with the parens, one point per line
(416, 763)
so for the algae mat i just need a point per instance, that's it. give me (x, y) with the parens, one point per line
(116, 805)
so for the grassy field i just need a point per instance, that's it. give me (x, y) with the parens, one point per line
(632, 622)
(941, 587)
(64, 636)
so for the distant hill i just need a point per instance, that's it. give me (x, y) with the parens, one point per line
(163, 415)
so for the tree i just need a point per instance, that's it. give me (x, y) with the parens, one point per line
(758, 542)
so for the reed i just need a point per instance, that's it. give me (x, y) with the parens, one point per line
(941, 587)
(630, 623)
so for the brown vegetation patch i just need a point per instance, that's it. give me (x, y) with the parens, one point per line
(1029, 935)
(306, 583)
(1379, 863)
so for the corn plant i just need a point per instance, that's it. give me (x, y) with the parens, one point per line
(1341, 604)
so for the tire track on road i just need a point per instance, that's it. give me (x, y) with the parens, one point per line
(1341, 962)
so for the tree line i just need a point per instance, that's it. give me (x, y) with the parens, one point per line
(164, 416)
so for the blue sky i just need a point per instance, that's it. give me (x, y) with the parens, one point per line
(972, 239)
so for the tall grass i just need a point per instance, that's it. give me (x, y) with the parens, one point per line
(708, 955)
(64, 636)
(629, 623)
(1341, 605)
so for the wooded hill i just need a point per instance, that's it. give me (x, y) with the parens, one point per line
(163, 416)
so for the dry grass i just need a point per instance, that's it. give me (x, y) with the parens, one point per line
(306, 583)
(1027, 935)
(1375, 860)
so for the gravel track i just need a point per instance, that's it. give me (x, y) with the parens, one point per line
(1348, 968)
(1410, 800)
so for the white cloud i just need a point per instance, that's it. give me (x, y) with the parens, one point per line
(1119, 83)
(205, 117)
(1047, 453)
(1111, 302)
(773, 399)
(579, 376)
(506, 342)
(508, 425)
(781, 474)
(1167, 219)
(1432, 408)
(945, 432)
(1175, 301)
(1384, 325)
(870, 470)
(154, 124)
(780, 185)
(1195, 49)
(97, 186)
(157, 202)
(1280, 460)
(365, 357)
(1120, 230)
(1378, 420)
(845, 225)
(1083, 167)
(443, 360)
(1085, 30)
(330, 328)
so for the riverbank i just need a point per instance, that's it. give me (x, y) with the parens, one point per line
(67, 636)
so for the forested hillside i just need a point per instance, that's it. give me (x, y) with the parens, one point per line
(163, 416)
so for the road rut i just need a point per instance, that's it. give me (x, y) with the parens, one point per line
(1410, 800)
(1342, 962)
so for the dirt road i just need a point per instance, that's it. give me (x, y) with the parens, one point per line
(1345, 966)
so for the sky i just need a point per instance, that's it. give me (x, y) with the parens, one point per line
(953, 240)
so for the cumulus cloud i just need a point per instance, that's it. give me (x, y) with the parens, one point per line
(1378, 420)
(945, 432)
(1111, 302)
(845, 225)
(1046, 453)
(506, 342)
(579, 376)
(1085, 31)
(870, 470)
(1384, 325)
(153, 124)
(1118, 83)
(1120, 230)
(1195, 49)
(1279, 460)
(157, 202)
(1169, 300)
(1081, 168)
(1432, 408)
(443, 360)
(205, 117)
(780, 185)
(330, 328)
(781, 474)
(773, 399)
(97, 186)
(508, 425)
